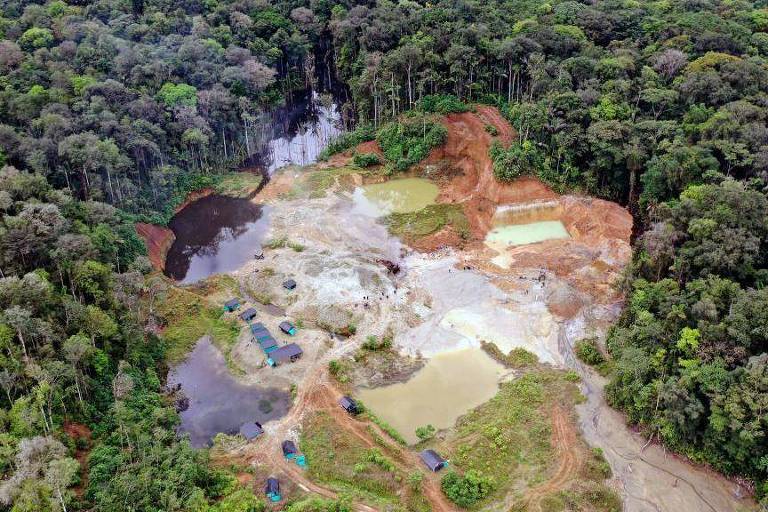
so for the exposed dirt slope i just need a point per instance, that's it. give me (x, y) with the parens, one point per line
(158, 240)
(78, 432)
(466, 150)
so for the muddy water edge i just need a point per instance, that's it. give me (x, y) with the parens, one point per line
(214, 234)
(405, 195)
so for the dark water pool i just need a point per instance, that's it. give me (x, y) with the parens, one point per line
(213, 235)
(219, 234)
(217, 401)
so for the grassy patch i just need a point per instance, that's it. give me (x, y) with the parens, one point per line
(342, 461)
(517, 357)
(428, 220)
(238, 184)
(507, 443)
(508, 439)
(320, 180)
(191, 313)
(339, 370)
(282, 242)
(386, 427)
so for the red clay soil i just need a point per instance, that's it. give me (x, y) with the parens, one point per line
(565, 440)
(78, 431)
(600, 230)
(158, 240)
(590, 260)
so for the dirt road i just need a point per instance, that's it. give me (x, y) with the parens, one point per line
(317, 393)
(337, 267)
(564, 439)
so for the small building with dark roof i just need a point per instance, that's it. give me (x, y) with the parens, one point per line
(258, 327)
(248, 315)
(288, 328)
(251, 430)
(268, 344)
(232, 305)
(289, 284)
(289, 448)
(433, 460)
(272, 489)
(349, 405)
(285, 354)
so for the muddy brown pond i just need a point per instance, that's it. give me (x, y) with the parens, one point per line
(215, 234)
(217, 401)
(450, 384)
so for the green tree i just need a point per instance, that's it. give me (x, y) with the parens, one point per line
(174, 95)
(36, 37)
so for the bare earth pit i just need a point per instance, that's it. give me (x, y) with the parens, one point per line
(542, 296)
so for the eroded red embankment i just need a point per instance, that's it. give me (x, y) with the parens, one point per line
(159, 239)
(600, 230)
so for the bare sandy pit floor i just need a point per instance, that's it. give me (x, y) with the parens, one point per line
(355, 280)
(543, 298)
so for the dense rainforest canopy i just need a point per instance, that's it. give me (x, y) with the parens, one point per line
(111, 109)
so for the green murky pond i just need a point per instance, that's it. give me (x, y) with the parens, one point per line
(448, 386)
(522, 234)
(395, 196)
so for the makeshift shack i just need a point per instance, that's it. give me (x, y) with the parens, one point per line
(290, 452)
(288, 328)
(248, 315)
(349, 405)
(433, 460)
(251, 430)
(232, 305)
(272, 489)
(285, 354)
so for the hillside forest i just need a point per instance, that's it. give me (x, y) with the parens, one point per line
(112, 110)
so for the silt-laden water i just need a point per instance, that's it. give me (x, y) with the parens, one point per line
(394, 196)
(522, 234)
(449, 385)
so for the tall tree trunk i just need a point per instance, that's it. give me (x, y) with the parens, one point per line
(23, 343)
(410, 91)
